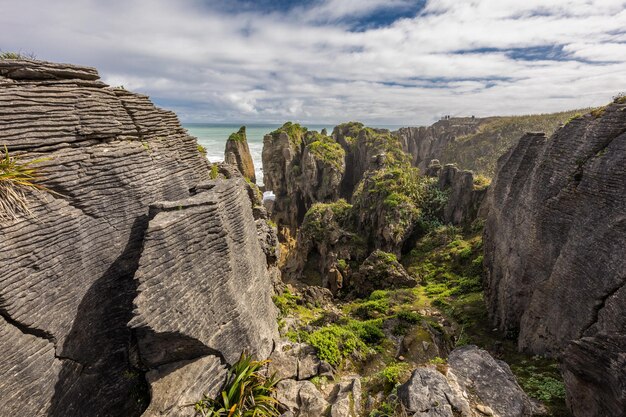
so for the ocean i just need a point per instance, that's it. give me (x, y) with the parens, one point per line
(213, 137)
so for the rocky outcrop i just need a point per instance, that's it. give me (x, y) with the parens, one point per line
(554, 245)
(465, 195)
(238, 153)
(472, 384)
(427, 143)
(304, 399)
(69, 269)
(380, 270)
(300, 168)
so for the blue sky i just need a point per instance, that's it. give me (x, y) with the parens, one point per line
(326, 61)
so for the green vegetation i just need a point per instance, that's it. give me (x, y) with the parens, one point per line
(323, 217)
(293, 130)
(17, 176)
(286, 302)
(201, 150)
(247, 393)
(481, 182)
(480, 151)
(391, 375)
(620, 98)
(239, 136)
(324, 148)
(15, 55)
(396, 193)
(447, 263)
(214, 172)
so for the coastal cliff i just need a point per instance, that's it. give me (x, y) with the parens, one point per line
(105, 298)
(554, 246)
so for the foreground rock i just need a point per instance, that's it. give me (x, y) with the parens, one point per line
(554, 246)
(71, 270)
(473, 384)
(238, 153)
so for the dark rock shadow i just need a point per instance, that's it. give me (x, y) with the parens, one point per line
(101, 374)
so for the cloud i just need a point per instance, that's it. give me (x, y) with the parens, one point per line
(336, 60)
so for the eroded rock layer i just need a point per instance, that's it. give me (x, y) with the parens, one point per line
(203, 280)
(554, 251)
(67, 284)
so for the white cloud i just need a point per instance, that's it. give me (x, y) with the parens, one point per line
(307, 65)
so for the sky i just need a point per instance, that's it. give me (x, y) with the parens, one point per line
(328, 61)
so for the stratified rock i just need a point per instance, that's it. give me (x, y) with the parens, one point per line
(427, 143)
(177, 386)
(301, 168)
(238, 153)
(380, 270)
(464, 198)
(203, 283)
(68, 270)
(554, 244)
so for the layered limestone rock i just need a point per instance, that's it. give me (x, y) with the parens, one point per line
(465, 195)
(554, 244)
(300, 168)
(68, 285)
(429, 142)
(473, 384)
(238, 153)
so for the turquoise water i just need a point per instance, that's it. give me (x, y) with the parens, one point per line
(213, 137)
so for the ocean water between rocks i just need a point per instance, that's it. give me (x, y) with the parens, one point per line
(213, 137)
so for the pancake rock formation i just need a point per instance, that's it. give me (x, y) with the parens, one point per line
(137, 274)
(554, 251)
(238, 153)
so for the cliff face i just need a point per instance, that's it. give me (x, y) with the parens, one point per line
(301, 168)
(554, 246)
(238, 153)
(92, 257)
(474, 143)
(426, 143)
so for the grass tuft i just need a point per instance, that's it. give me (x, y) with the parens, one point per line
(16, 178)
(248, 392)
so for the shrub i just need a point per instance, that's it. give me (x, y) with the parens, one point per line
(16, 177)
(214, 172)
(409, 316)
(544, 388)
(202, 150)
(334, 343)
(16, 55)
(286, 302)
(247, 392)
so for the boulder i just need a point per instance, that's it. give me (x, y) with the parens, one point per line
(347, 399)
(380, 271)
(490, 381)
(293, 361)
(472, 384)
(238, 153)
(301, 398)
